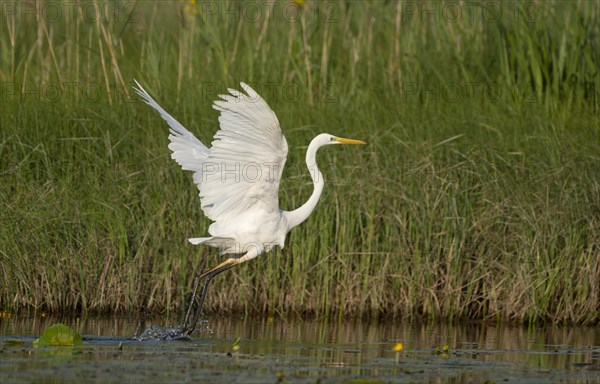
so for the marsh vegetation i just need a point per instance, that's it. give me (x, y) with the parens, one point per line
(477, 197)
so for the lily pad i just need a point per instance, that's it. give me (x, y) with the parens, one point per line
(58, 335)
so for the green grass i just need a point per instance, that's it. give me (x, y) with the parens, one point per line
(477, 197)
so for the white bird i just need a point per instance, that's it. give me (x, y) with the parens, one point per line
(238, 179)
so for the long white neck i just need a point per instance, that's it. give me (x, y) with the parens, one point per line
(297, 216)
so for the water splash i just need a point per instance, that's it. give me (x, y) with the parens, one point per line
(164, 333)
(158, 333)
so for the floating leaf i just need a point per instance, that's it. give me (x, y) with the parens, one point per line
(58, 335)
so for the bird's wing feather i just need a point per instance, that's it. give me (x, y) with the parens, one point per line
(246, 160)
(188, 151)
(243, 168)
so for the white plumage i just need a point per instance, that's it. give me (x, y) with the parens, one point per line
(238, 177)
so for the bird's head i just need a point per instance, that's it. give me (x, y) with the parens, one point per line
(327, 139)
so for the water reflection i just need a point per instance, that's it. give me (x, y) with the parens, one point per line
(354, 342)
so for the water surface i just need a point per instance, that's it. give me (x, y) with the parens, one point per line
(278, 350)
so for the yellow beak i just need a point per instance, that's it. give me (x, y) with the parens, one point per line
(341, 140)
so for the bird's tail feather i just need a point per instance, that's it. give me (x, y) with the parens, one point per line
(225, 244)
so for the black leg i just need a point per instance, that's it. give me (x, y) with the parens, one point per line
(187, 328)
(186, 319)
(190, 327)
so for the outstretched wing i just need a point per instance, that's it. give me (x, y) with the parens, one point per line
(188, 151)
(246, 160)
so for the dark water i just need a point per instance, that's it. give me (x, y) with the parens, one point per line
(276, 350)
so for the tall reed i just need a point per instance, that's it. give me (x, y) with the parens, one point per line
(477, 197)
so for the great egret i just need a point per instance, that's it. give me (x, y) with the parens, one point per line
(238, 179)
